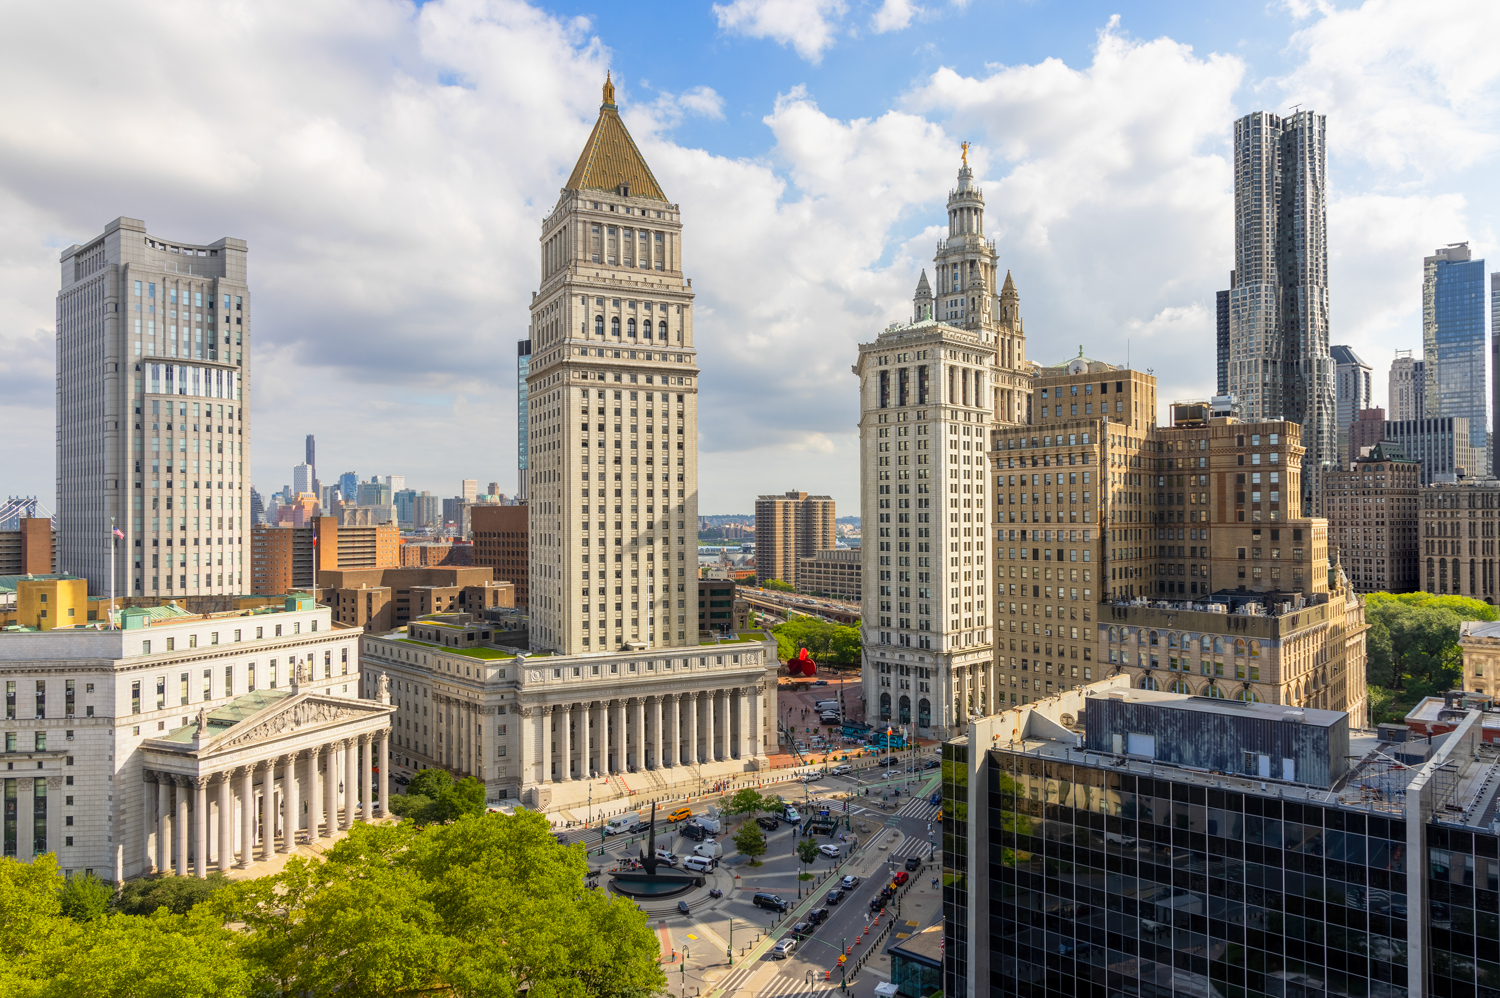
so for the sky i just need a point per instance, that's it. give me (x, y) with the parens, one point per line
(390, 163)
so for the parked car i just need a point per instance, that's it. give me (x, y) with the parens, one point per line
(770, 901)
(783, 948)
(913, 863)
(835, 896)
(694, 831)
(666, 856)
(768, 822)
(829, 849)
(698, 864)
(849, 882)
(803, 929)
(901, 877)
(818, 916)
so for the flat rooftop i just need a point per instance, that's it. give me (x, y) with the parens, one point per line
(1211, 705)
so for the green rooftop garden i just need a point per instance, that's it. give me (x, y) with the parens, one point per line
(470, 652)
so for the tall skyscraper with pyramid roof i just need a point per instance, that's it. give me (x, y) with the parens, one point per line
(613, 410)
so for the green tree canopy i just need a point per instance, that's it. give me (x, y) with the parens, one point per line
(832, 644)
(778, 586)
(747, 800)
(434, 797)
(750, 841)
(1412, 643)
(807, 851)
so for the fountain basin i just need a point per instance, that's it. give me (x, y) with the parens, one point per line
(654, 885)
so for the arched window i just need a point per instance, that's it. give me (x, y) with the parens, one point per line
(885, 706)
(1247, 696)
(905, 716)
(629, 327)
(1218, 646)
(1207, 644)
(1213, 692)
(614, 324)
(661, 330)
(1180, 687)
(924, 713)
(1172, 640)
(1114, 634)
(598, 325)
(1148, 683)
(1155, 639)
(1255, 649)
(1239, 646)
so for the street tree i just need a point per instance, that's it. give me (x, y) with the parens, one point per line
(747, 800)
(434, 797)
(807, 852)
(751, 841)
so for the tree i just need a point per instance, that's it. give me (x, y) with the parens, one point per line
(85, 898)
(751, 841)
(831, 644)
(179, 895)
(434, 797)
(745, 801)
(778, 586)
(807, 852)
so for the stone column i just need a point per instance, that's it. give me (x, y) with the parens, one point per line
(351, 781)
(165, 788)
(247, 816)
(638, 717)
(314, 798)
(544, 714)
(585, 717)
(331, 788)
(226, 821)
(292, 804)
(602, 746)
(745, 744)
(267, 809)
(690, 755)
(708, 698)
(382, 762)
(654, 754)
(149, 791)
(200, 827)
(367, 776)
(184, 834)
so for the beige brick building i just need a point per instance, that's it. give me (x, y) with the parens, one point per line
(612, 410)
(1480, 643)
(1458, 537)
(835, 572)
(788, 528)
(1374, 514)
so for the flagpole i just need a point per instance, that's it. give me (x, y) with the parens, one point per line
(112, 546)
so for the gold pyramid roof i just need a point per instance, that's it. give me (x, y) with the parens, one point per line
(610, 157)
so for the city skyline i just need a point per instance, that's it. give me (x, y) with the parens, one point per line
(791, 164)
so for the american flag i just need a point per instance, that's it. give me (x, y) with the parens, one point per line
(119, 534)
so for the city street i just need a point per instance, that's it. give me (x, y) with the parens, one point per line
(722, 947)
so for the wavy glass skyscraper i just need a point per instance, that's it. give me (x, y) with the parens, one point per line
(1279, 363)
(1453, 339)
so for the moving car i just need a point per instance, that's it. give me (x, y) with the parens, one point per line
(818, 916)
(931, 764)
(936, 798)
(770, 901)
(820, 682)
(842, 770)
(683, 909)
(803, 928)
(681, 814)
(889, 760)
(835, 896)
(768, 822)
(849, 882)
(783, 948)
(828, 849)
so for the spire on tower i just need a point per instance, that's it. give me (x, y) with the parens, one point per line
(609, 90)
(922, 300)
(1009, 288)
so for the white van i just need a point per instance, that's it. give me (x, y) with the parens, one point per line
(712, 826)
(698, 864)
(619, 825)
(709, 849)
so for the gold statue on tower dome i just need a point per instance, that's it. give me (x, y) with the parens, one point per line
(966, 153)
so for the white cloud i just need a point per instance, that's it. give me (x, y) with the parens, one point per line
(893, 15)
(702, 101)
(1407, 87)
(806, 25)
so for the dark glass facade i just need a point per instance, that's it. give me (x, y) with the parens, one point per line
(955, 868)
(1112, 883)
(1463, 902)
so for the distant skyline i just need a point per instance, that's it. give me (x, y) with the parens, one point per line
(389, 163)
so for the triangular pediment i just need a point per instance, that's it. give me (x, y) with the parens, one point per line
(294, 715)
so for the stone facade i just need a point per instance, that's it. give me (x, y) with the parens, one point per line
(547, 728)
(1459, 538)
(1374, 521)
(134, 742)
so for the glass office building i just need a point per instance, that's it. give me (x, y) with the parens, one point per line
(1128, 865)
(1453, 339)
